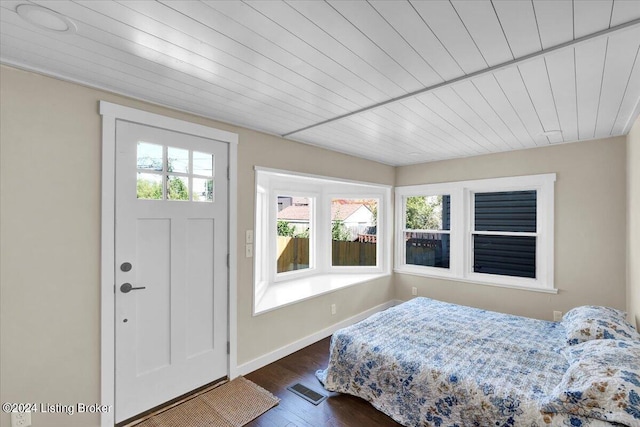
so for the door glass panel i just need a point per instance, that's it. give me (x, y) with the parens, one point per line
(177, 188)
(149, 156)
(149, 186)
(202, 190)
(177, 160)
(202, 164)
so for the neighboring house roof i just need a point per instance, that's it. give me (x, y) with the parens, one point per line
(294, 213)
(342, 211)
(339, 211)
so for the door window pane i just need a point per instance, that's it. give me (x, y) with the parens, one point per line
(293, 232)
(149, 186)
(427, 249)
(177, 187)
(354, 232)
(149, 156)
(202, 164)
(177, 160)
(202, 190)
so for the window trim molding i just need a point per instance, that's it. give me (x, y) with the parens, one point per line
(462, 229)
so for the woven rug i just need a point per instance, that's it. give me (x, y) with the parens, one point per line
(233, 404)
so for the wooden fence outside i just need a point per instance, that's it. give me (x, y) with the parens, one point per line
(293, 253)
(346, 253)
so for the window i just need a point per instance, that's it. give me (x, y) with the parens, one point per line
(494, 231)
(293, 228)
(167, 173)
(316, 234)
(504, 233)
(354, 232)
(427, 227)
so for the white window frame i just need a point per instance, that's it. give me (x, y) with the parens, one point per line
(402, 193)
(271, 183)
(462, 230)
(380, 237)
(273, 235)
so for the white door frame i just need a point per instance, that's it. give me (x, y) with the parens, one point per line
(110, 113)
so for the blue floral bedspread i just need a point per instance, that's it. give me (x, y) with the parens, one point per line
(431, 363)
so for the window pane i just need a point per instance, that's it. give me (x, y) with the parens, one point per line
(177, 160)
(354, 232)
(428, 212)
(149, 186)
(293, 229)
(149, 156)
(202, 190)
(177, 188)
(506, 211)
(505, 255)
(202, 164)
(427, 249)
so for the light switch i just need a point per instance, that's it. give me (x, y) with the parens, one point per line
(248, 251)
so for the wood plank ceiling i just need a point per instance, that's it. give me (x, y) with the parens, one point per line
(399, 82)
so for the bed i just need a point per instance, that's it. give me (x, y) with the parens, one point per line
(431, 363)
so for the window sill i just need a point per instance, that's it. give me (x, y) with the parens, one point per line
(478, 282)
(281, 294)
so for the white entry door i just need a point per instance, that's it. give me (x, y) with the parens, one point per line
(170, 265)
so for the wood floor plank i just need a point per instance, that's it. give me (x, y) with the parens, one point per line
(339, 410)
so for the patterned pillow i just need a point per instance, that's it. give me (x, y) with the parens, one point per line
(592, 322)
(602, 382)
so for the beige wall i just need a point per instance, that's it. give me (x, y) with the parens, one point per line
(590, 232)
(633, 224)
(50, 219)
(50, 249)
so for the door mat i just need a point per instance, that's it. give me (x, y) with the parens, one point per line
(233, 404)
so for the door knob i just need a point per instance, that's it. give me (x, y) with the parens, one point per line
(127, 287)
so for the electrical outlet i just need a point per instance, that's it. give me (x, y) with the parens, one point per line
(333, 309)
(557, 316)
(249, 237)
(20, 419)
(414, 291)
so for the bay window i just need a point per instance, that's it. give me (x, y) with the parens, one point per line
(316, 234)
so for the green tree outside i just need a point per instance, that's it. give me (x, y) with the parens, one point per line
(177, 189)
(424, 213)
(339, 231)
(149, 189)
(285, 229)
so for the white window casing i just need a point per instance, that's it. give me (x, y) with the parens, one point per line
(462, 230)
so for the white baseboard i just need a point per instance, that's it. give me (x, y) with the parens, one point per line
(271, 357)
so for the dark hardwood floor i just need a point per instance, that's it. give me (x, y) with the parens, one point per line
(339, 410)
